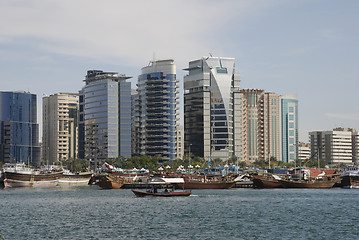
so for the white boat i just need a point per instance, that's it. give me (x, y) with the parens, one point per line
(350, 178)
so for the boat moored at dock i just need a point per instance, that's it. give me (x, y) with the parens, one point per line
(110, 181)
(266, 180)
(18, 175)
(350, 177)
(71, 179)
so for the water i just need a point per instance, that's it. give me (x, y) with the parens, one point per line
(92, 213)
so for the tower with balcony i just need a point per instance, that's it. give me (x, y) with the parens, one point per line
(155, 112)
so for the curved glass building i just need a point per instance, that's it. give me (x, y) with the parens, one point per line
(211, 108)
(156, 110)
(19, 131)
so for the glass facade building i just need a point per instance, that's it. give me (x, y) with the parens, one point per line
(156, 110)
(105, 116)
(211, 108)
(19, 131)
(289, 127)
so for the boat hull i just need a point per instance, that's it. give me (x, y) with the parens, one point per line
(207, 185)
(15, 180)
(162, 194)
(350, 181)
(309, 184)
(10, 183)
(75, 179)
(110, 182)
(263, 182)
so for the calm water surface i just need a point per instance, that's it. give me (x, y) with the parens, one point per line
(92, 213)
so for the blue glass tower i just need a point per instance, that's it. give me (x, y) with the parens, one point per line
(157, 100)
(19, 131)
(105, 116)
(289, 116)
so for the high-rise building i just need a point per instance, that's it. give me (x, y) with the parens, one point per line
(336, 146)
(135, 116)
(59, 132)
(81, 125)
(211, 108)
(19, 130)
(156, 110)
(105, 116)
(289, 127)
(179, 141)
(260, 125)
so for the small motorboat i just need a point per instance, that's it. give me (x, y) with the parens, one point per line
(164, 193)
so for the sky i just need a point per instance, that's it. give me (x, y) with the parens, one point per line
(307, 48)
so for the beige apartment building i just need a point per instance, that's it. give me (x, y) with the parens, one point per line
(60, 135)
(260, 125)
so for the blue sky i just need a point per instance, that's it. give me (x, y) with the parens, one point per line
(308, 48)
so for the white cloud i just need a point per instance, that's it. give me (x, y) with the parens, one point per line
(128, 32)
(329, 34)
(347, 116)
(294, 52)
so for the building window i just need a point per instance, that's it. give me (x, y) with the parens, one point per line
(221, 70)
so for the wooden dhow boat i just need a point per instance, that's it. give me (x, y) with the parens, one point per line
(317, 182)
(197, 181)
(71, 179)
(18, 175)
(266, 181)
(194, 184)
(206, 182)
(110, 181)
(165, 193)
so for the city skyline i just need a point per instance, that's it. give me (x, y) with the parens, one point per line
(305, 48)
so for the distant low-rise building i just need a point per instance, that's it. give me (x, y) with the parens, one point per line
(336, 146)
(304, 151)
